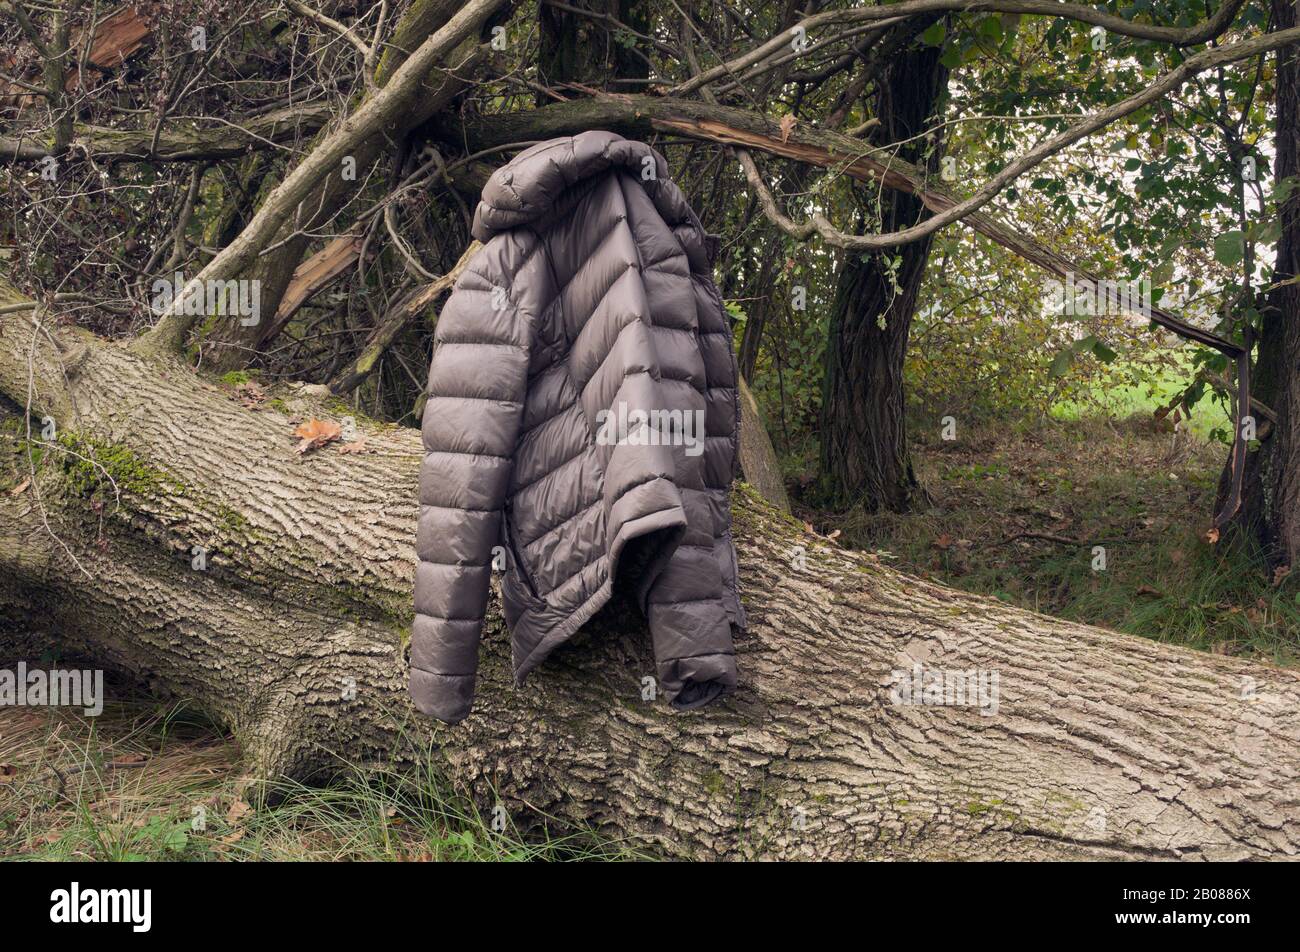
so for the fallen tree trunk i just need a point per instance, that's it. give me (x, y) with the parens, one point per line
(1100, 745)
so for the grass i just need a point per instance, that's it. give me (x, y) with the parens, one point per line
(148, 781)
(1118, 397)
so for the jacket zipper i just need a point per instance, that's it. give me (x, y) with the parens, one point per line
(518, 558)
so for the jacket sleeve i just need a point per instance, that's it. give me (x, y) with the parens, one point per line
(471, 422)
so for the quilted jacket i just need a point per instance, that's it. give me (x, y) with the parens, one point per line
(581, 427)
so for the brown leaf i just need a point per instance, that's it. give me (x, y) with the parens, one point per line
(358, 447)
(124, 760)
(316, 433)
(250, 395)
(1212, 536)
(238, 810)
(787, 126)
(943, 542)
(21, 486)
(1279, 573)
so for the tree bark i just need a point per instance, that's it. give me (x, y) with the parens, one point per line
(1271, 496)
(1102, 745)
(587, 49)
(865, 457)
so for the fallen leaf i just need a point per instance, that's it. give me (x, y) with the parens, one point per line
(231, 838)
(943, 542)
(238, 810)
(1279, 573)
(316, 433)
(250, 395)
(125, 759)
(787, 126)
(358, 447)
(1212, 536)
(21, 486)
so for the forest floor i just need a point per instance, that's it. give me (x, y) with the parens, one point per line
(147, 780)
(1016, 512)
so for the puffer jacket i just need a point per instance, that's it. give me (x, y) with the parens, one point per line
(581, 427)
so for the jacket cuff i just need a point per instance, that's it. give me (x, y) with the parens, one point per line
(448, 697)
(689, 683)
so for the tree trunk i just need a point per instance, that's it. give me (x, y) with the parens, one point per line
(865, 458)
(589, 50)
(1271, 502)
(1100, 745)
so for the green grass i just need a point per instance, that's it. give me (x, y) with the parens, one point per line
(146, 782)
(1118, 398)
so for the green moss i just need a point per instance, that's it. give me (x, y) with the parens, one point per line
(976, 808)
(236, 377)
(91, 466)
(714, 782)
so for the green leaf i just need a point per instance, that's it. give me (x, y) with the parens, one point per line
(935, 34)
(1103, 353)
(1061, 363)
(1230, 248)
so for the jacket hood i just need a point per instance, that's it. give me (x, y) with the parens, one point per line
(525, 190)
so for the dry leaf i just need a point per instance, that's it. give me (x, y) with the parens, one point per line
(250, 395)
(238, 810)
(316, 433)
(1212, 536)
(127, 759)
(358, 447)
(1279, 573)
(787, 126)
(21, 486)
(231, 838)
(943, 542)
